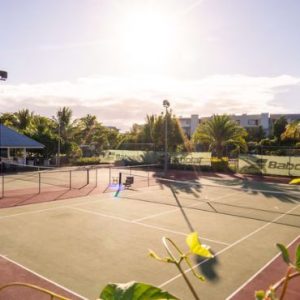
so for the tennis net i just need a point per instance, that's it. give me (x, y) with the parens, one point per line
(260, 202)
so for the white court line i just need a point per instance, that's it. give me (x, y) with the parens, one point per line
(54, 208)
(142, 224)
(239, 188)
(100, 214)
(43, 277)
(156, 215)
(178, 209)
(31, 212)
(260, 270)
(230, 246)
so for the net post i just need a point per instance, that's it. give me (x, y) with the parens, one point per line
(87, 176)
(70, 179)
(148, 178)
(39, 182)
(120, 179)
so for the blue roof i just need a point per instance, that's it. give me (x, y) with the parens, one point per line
(9, 138)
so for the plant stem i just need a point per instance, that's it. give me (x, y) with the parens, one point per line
(187, 282)
(279, 283)
(286, 281)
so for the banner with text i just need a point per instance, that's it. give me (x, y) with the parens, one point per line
(270, 165)
(151, 157)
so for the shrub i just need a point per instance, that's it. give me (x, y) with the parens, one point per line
(87, 161)
(219, 164)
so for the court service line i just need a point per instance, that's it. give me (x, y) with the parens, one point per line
(260, 270)
(231, 245)
(43, 277)
(178, 209)
(31, 212)
(143, 224)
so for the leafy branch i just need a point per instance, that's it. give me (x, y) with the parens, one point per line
(195, 247)
(293, 271)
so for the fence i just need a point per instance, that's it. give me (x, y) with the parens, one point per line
(15, 182)
(282, 161)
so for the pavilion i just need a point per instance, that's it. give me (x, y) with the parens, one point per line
(11, 140)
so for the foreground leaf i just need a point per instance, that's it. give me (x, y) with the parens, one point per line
(134, 291)
(260, 295)
(295, 181)
(195, 246)
(284, 253)
(298, 257)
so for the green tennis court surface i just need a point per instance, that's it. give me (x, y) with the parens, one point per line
(84, 243)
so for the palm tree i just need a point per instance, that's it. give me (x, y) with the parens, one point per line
(23, 119)
(220, 131)
(63, 118)
(86, 127)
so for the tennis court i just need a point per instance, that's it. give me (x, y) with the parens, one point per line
(77, 246)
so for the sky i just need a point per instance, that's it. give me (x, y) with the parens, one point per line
(119, 59)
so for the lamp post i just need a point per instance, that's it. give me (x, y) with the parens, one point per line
(166, 105)
(3, 76)
(59, 142)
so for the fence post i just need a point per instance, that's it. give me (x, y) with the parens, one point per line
(96, 177)
(70, 179)
(39, 182)
(109, 179)
(261, 158)
(289, 168)
(2, 193)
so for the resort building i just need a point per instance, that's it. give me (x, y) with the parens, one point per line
(11, 142)
(265, 120)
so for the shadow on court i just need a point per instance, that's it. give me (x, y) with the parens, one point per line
(265, 189)
(208, 267)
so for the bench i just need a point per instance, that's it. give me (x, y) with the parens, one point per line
(129, 181)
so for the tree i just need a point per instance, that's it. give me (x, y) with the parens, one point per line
(8, 119)
(64, 128)
(23, 119)
(292, 131)
(219, 132)
(255, 134)
(279, 127)
(44, 131)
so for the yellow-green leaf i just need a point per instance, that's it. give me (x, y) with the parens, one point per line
(196, 247)
(295, 181)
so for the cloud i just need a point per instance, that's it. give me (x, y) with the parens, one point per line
(123, 101)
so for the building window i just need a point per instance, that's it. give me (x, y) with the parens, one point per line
(252, 122)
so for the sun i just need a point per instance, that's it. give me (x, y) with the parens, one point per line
(147, 38)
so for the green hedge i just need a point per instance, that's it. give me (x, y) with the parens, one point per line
(219, 164)
(87, 161)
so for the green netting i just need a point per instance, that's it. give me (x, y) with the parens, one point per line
(269, 165)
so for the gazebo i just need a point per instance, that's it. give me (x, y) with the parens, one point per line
(10, 139)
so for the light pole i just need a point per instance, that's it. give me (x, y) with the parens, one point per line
(3, 76)
(58, 144)
(166, 105)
